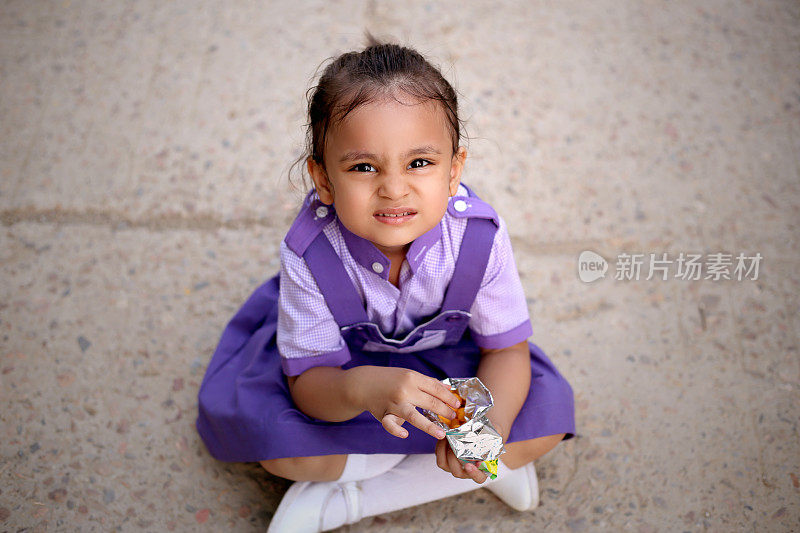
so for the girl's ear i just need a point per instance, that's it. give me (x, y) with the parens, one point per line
(457, 165)
(321, 182)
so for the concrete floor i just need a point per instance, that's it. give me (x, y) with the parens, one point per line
(143, 195)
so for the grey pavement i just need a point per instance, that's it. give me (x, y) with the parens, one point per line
(143, 195)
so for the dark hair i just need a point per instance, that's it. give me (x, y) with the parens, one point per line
(356, 78)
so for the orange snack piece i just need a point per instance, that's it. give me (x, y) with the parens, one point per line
(461, 415)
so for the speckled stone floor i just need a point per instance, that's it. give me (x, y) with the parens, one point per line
(143, 194)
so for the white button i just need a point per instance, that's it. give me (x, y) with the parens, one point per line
(460, 206)
(377, 267)
(322, 211)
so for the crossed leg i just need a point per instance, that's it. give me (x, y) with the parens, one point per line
(523, 452)
(314, 468)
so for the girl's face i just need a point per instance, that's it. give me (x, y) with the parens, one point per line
(390, 171)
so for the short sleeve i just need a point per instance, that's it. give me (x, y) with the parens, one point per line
(308, 335)
(500, 315)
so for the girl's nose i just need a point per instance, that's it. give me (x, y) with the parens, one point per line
(393, 186)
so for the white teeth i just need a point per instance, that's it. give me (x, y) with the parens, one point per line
(394, 216)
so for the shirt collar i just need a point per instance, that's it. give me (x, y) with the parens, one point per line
(367, 255)
(421, 246)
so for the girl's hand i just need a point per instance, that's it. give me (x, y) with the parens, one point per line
(393, 394)
(447, 461)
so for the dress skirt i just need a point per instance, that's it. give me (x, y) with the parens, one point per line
(246, 412)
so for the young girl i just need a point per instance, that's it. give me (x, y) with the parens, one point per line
(393, 276)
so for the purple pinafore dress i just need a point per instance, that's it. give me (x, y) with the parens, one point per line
(246, 412)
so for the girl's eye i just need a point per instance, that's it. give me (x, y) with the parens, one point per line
(363, 167)
(422, 163)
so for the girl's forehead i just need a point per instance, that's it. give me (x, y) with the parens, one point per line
(388, 119)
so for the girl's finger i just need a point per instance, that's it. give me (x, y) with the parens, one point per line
(441, 458)
(456, 467)
(393, 424)
(416, 419)
(434, 404)
(475, 473)
(440, 390)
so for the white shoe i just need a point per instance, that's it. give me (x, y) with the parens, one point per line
(518, 488)
(303, 507)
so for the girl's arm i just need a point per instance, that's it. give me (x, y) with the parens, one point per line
(506, 372)
(391, 395)
(322, 392)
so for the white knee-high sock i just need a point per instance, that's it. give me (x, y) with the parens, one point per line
(414, 481)
(357, 468)
(364, 466)
(516, 488)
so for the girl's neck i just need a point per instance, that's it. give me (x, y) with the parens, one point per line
(396, 258)
(394, 252)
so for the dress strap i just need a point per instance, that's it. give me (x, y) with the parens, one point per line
(307, 239)
(310, 221)
(334, 283)
(473, 255)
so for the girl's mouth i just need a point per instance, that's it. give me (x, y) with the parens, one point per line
(395, 216)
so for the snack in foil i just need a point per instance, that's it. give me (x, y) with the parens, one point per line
(470, 435)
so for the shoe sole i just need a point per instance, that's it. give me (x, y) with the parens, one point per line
(291, 495)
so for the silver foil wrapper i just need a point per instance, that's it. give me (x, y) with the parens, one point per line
(476, 439)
